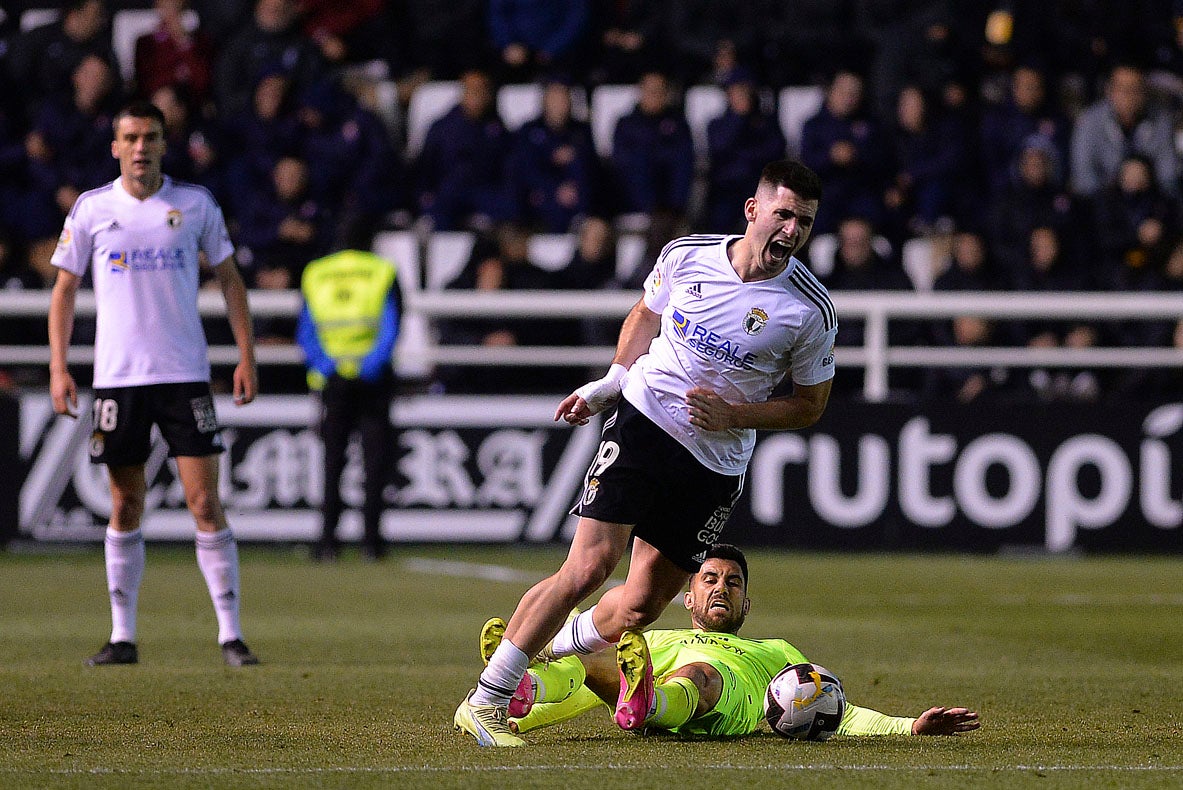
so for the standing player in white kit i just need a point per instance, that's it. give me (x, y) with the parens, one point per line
(143, 237)
(722, 320)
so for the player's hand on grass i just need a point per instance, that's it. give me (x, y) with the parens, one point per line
(946, 721)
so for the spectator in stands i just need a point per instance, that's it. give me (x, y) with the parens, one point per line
(28, 183)
(1049, 269)
(627, 41)
(739, 143)
(848, 149)
(1161, 274)
(44, 59)
(1125, 121)
(260, 135)
(792, 35)
(273, 36)
(858, 266)
(593, 267)
(537, 36)
(445, 40)
(461, 171)
(352, 32)
(15, 274)
(191, 144)
(969, 384)
(1036, 196)
(1026, 111)
(352, 163)
(969, 268)
(283, 228)
(554, 167)
(929, 161)
(77, 129)
(1135, 225)
(173, 55)
(500, 262)
(708, 38)
(914, 42)
(652, 152)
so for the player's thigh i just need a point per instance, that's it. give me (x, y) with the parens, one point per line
(697, 505)
(121, 425)
(185, 415)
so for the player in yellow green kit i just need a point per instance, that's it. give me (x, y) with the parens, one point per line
(710, 681)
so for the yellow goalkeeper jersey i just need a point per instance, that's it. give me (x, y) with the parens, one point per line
(746, 667)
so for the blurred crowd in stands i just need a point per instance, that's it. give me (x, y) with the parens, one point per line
(1035, 146)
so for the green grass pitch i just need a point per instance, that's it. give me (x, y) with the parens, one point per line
(1075, 665)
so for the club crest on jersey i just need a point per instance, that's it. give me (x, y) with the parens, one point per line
(174, 218)
(755, 321)
(118, 260)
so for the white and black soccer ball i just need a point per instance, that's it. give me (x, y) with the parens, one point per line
(805, 702)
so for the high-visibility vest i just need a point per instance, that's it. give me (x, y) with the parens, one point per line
(346, 293)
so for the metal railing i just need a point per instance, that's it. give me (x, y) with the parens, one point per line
(876, 308)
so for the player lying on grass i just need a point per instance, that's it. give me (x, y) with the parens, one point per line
(710, 681)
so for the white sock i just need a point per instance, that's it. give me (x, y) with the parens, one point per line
(579, 636)
(124, 554)
(217, 556)
(500, 678)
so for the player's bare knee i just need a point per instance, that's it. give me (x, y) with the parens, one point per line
(205, 507)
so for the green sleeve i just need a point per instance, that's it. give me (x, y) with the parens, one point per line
(864, 721)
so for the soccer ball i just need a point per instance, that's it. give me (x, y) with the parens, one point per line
(804, 702)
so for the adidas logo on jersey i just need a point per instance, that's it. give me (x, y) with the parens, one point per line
(695, 291)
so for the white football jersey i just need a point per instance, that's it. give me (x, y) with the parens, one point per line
(144, 263)
(737, 339)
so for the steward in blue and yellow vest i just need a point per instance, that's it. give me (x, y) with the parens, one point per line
(350, 318)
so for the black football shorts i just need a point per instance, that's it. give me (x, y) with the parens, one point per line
(643, 477)
(122, 419)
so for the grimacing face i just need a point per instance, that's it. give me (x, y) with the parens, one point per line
(781, 221)
(717, 598)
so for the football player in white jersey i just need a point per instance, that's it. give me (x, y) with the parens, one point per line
(142, 237)
(723, 319)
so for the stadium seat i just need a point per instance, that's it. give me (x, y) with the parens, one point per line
(517, 104)
(36, 17)
(387, 107)
(704, 103)
(128, 24)
(921, 258)
(430, 102)
(609, 103)
(551, 251)
(447, 252)
(401, 247)
(819, 254)
(796, 104)
(630, 253)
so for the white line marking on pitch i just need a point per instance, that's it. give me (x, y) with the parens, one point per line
(427, 769)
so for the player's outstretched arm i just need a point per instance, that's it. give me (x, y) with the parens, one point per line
(946, 721)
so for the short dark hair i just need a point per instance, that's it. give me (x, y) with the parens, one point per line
(140, 108)
(726, 551)
(794, 175)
